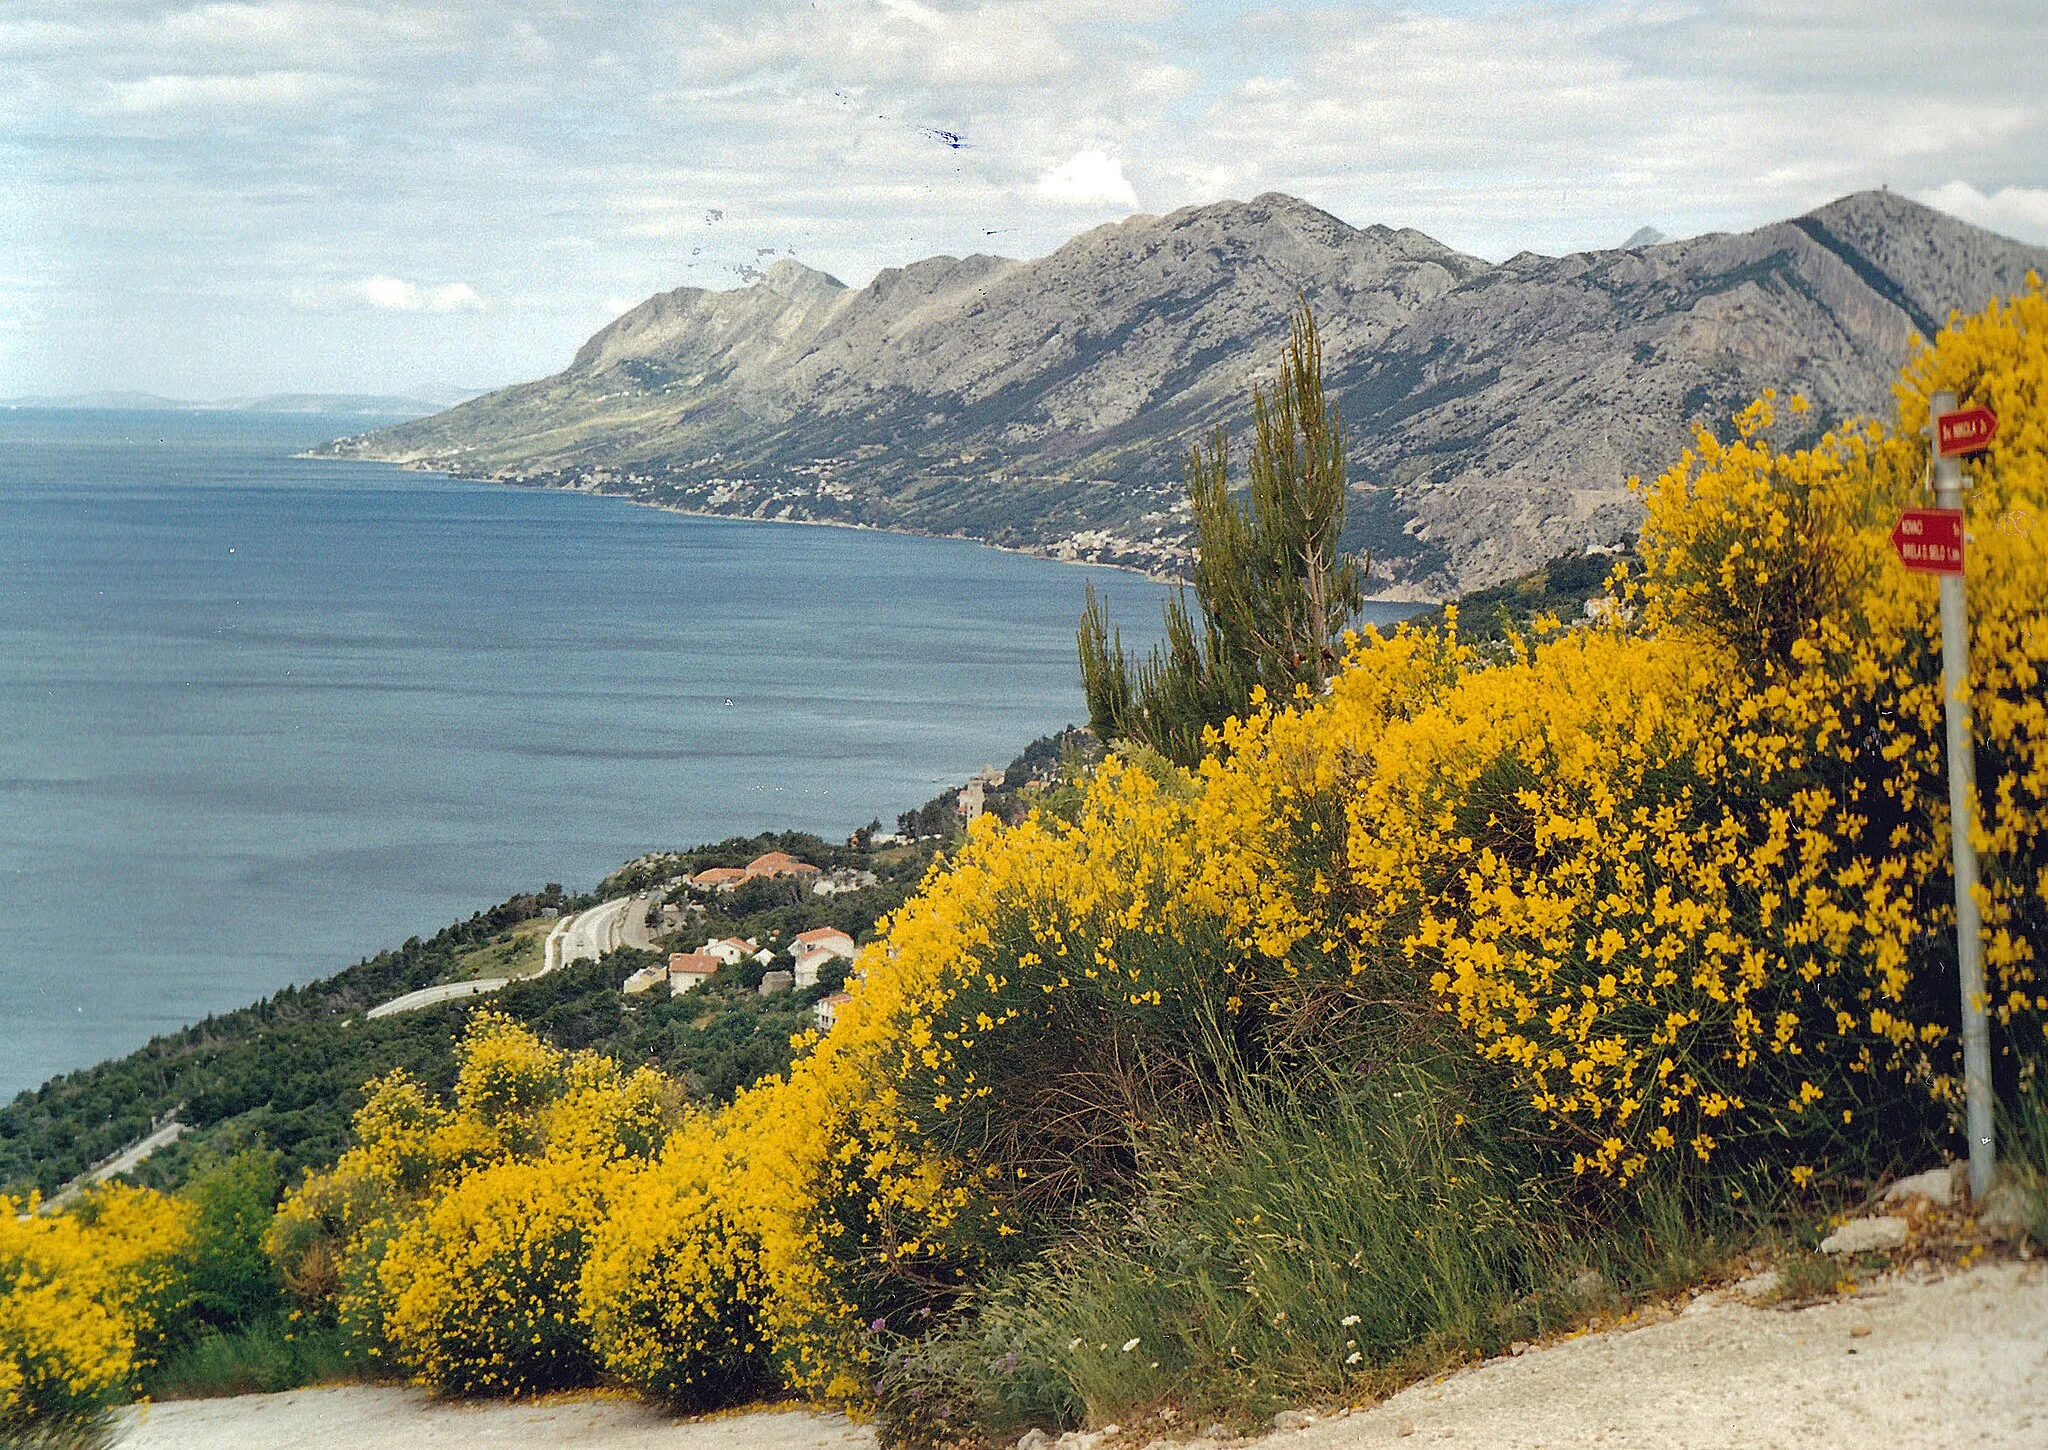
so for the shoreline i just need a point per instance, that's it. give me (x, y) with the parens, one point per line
(1419, 603)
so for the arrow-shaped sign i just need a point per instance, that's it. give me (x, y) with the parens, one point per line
(1930, 541)
(1967, 430)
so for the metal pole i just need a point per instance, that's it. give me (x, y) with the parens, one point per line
(1962, 791)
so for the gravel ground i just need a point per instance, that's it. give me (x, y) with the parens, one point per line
(1902, 1365)
(375, 1417)
(1906, 1364)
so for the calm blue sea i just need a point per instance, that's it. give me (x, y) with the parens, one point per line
(260, 716)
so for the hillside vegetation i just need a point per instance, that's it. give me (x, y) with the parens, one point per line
(1419, 1016)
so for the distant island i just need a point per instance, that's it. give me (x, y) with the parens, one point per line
(1495, 411)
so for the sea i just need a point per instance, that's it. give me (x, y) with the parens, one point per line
(261, 715)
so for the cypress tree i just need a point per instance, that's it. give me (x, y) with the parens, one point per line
(1274, 595)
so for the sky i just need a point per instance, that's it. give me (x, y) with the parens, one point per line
(221, 199)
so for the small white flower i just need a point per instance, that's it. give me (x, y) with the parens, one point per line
(1353, 1358)
(1074, 1343)
(1129, 1345)
(1348, 1320)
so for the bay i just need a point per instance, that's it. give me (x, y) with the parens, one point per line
(261, 715)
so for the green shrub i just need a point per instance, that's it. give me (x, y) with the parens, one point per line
(263, 1357)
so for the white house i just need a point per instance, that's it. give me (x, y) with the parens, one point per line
(812, 949)
(732, 951)
(826, 1011)
(687, 971)
(644, 980)
(831, 938)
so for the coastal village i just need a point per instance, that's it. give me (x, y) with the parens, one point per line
(806, 954)
(809, 955)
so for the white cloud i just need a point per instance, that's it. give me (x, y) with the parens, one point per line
(180, 161)
(2017, 211)
(1089, 178)
(396, 295)
(264, 90)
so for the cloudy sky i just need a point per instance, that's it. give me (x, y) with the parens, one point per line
(224, 198)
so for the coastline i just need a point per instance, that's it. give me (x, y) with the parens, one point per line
(1418, 601)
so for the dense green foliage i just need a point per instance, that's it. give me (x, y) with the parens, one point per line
(1561, 589)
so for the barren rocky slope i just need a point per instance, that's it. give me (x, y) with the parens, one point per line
(1496, 411)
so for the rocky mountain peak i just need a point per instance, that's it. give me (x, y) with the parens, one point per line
(787, 277)
(1495, 411)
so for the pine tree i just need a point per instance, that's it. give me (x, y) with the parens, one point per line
(1273, 593)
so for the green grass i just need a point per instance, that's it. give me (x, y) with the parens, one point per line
(1408, 1206)
(262, 1359)
(2023, 1150)
(515, 952)
(1252, 1243)
(92, 1432)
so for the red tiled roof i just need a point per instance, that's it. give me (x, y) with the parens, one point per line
(698, 964)
(821, 934)
(778, 863)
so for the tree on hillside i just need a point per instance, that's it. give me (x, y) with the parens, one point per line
(1273, 593)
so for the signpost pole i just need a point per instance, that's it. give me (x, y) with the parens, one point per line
(1962, 790)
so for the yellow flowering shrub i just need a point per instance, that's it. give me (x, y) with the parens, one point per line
(480, 1288)
(449, 1240)
(1709, 900)
(86, 1297)
(1675, 887)
(671, 1288)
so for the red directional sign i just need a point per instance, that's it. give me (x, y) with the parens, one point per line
(1967, 430)
(1930, 540)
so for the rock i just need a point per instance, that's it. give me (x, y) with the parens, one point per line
(1033, 1439)
(2010, 1206)
(1520, 1346)
(1866, 1236)
(1588, 1286)
(1404, 1427)
(1759, 1286)
(1939, 1186)
(1293, 1420)
(1077, 1440)
(1217, 1431)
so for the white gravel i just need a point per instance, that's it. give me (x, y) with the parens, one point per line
(375, 1417)
(1903, 1365)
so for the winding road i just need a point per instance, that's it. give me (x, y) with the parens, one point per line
(584, 937)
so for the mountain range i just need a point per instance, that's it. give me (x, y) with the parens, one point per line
(1495, 411)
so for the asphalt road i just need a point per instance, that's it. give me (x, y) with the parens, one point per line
(555, 952)
(620, 922)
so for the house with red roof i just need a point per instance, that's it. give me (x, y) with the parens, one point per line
(779, 863)
(687, 971)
